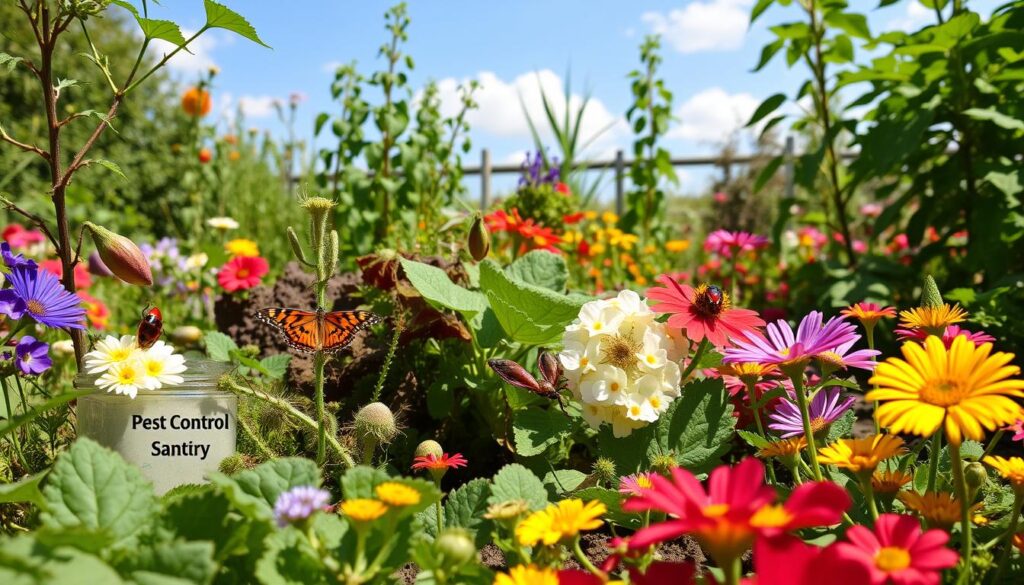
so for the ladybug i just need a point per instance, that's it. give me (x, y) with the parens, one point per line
(715, 295)
(150, 327)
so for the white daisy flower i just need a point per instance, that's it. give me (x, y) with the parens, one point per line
(109, 352)
(222, 223)
(163, 365)
(127, 378)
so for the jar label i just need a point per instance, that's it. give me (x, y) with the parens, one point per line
(178, 422)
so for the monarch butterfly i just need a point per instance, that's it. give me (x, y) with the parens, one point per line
(317, 331)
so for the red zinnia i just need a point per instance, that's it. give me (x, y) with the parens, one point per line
(562, 188)
(95, 310)
(433, 462)
(538, 237)
(704, 312)
(897, 552)
(500, 221)
(242, 273)
(54, 267)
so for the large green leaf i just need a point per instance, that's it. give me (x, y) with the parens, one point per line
(24, 490)
(540, 268)
(515, 482)
(93, 488)
(254, 492)
(535, 429)
(24, 561)
(465, 508)
(289, 560)
(220, 16)
(435, 286)
(528, 314)
(188, 562)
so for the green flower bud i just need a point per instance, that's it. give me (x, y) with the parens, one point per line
(930, 295)
(456, 546)
(333, 250)
(604, 469)
(479, 239)
(429, 447)
(293, 239)
(663, 463)
(975, 474)
(121, 255)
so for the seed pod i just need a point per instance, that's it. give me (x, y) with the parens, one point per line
(550, 368)
(514, 374)
(479, 239)
(930, 295)
(293, 239)
(124, 259)
(455, 546)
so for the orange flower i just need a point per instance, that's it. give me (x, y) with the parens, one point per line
(196, 102)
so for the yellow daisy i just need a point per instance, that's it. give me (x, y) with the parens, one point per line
(1011, 469)
(363, 509)
(939, 509)
(527, 575)
(890, 482)
(783, 448)
(242, 247)
(965, 389)
(859, 455)
(559, 522)
(397, 494)
(677, 246)
(932, 318)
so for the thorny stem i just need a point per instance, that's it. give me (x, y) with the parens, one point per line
(319, 361)
(255, 438)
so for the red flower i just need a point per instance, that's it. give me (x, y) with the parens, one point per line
(573, 218)
(562, 188)
(18, 237)
(242, 273)
(433, 462)
(787, 560)
(82, 277)
(736, 508)
(897, 552)
(499, 221)
(205, 155)
(704, 312)
(95, 310)
(538, 237)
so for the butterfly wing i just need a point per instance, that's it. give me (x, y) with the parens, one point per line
(299, 327)
(341, 326)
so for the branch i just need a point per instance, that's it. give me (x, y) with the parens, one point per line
(80, 155)
(38, 221)
(23, 146)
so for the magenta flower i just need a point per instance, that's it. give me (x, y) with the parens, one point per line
(786, 348)
(824, 409)
(726, 243)
(1017, 429)
(842, 358)
(636, 484)
(896, 552)
(951, 333)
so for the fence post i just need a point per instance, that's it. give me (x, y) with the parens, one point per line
(620, 181)
(790, 171)
(485, 179)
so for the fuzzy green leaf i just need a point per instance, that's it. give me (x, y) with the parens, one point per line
(515, 482)
(25, 561)
(465, 508)
(254, 492)
(219, 346)
(540, 268)
(435, 286)
(24, 490)
(535, 429)
(276, 365)
(528, 314)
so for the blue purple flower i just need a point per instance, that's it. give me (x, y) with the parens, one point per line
(824, 409)
(32, 356)
(13, 260)
(299, 503)
(40, 295)
(534, 173)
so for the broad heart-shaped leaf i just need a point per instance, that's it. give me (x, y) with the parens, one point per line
(697, 428)
(540, 268)
(219, 346)
(24, 490)
(93, 488)
(515, 482)
(528, 314)
(435, 286)
(254, 492)
(465, 508)
(220, 16)
(24, 561)
(535, 429)
(189, 562)
(288, 559)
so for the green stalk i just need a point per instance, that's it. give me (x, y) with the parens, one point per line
(869, 494)
(582, 558)
(1004, 557)
(733, 572)
(755, 405)
(440, 515)
(703, 347)
(805, 415)
(14, 435)
(869, 333)
(319, 360)
(993, 442)
(960, 482)
(933, 460)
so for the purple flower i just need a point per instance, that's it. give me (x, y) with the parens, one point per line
(43, 298)
(13, 260)
(299, 503)
(33, 356)
(784, 348)
(824, 409)
(842, 358)
(534, 173)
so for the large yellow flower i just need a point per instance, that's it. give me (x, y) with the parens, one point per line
(527, 575)
(559, 522)
(1012, 469)
(932, 318)
(861, 454)
(966, 389)
(397, 494)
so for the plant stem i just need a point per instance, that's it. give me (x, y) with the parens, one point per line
(869, 494)
(1004, 557)
(755, 406)
(933, 460)
(260, 443)
(319, 361)
(704, 344)
(733, 572)
(993, 443)
(869, 333)
(439, 510)
(14, 434)
(801, 402)
(582, 558)
(960, 483)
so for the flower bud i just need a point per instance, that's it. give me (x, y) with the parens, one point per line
(975, 474)
(186, 334)
(479, 239)
(509, 511)
(293, 239)
(124, 259)
(455, 545)
(663, 463)
(604, 469)
(514, 374)
(376, 422)
(930, 295)
(429, 447)
(97, 267)
(549, 367)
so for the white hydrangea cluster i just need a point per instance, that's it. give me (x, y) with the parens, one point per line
(621, 364)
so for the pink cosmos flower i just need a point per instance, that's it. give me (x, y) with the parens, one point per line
(897, 552)
(784, 347)
(726, 243)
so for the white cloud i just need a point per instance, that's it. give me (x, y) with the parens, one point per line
(709, 25)
(199, 60)
(914, 17)
(712, 115)
(500, 112)
(258, 106)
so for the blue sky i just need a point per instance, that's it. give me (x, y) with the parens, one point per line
(707, 47)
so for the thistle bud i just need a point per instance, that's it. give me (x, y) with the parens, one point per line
(124, 259)
(374, 424)
(455, 546)
(604, 469)
(479, 239)
(293, 239)
(514, 374)
(664, 463)
(429, 447)
(930, 295)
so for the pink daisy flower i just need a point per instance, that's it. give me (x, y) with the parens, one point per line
(703, 312)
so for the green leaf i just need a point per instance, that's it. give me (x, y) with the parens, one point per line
(841, 428)
(855, 25)
(92, 487)
(289, 560)
(24, 490)
(190, 562)
(164, 30)
(276, 365)
(205, 515)
(12, 424)
(535, 429)
(768, 172)
(465, 508)
(759, 9)
(359, 481)
(219, 346)
(698, 427)
(25, 561)
(563, 481)
(1007, 183)
(515, 482)
(435, 286)
(769, 105)
(528, 314)
(110, 166)
(996, 117)
(254, 492)
(220, 16)
(10, 61)
(540, 268)
(753, 439)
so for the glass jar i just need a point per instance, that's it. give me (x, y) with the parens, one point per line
(175, 435)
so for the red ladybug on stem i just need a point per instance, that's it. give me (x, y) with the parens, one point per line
(150, 327)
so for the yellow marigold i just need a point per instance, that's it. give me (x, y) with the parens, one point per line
(939, 509)
(363, 509)
(196, 102)
(609, 218)
(572, 237)
(861, 454)
(597, 249)
(560, 521)
(397, 494)
(590, 215)
(677, 246)
(783, 447)
(963, 389)
(242, 247)
(1011, 469)
(932, 318)
(527, 575)
(890, 482)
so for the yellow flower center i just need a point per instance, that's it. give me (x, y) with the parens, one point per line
(243, 273)
(620, 351)
(127, 375)
(771, 516)
(716, 510)
(120, 354)
(584, 362)
(597, 326)
(154, 367)
(651, 359)
(615, 387)
(831, 358)
(892, 558)
(655, 402)
(644, 481)
(944, 392)
(784, 352)
(634, 410)
(818, 424)
(36, 308)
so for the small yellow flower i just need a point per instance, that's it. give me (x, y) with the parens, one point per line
(933, 318)
(861, 454)
(397, 494)
(609, 218)
(597, 249)
(527, 575)
(242, 247)
(650, 249)
(783, 448)
(890, 482)
(363, 509)
(1011, 469)
(747, 372)
(559, 522)
(939, 509)
(573, 237)
(677, 246)
(590, 215)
